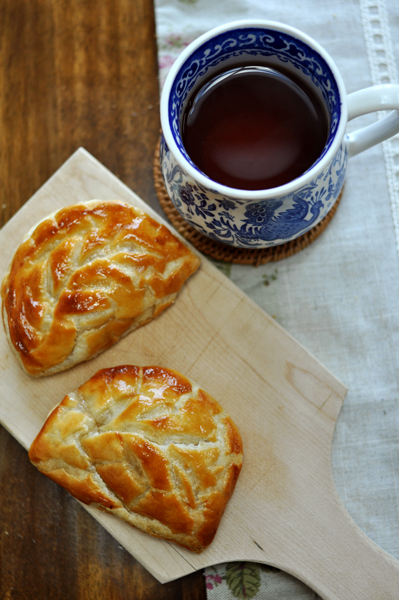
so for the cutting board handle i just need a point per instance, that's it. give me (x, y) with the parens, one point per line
(341, 562)
(294, 517)
(317, 541)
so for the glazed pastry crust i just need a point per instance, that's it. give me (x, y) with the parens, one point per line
(85, 277)
(148, 445)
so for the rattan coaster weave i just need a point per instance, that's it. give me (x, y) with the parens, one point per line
(229, 254)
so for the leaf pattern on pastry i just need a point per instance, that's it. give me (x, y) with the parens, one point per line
(86, 276)
(148, 445)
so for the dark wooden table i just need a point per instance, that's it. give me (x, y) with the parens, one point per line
(72, 73)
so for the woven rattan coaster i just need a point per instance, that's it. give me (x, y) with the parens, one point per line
(229, 254)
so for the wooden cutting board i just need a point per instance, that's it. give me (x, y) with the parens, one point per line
(285, 510)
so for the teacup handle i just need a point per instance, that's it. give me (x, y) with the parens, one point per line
(379, 97)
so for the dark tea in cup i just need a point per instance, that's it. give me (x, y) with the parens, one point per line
(254, 150)
(254, 127)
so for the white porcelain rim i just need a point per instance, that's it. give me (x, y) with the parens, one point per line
(282, 190)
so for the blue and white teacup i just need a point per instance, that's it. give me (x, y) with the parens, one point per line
(265, 218)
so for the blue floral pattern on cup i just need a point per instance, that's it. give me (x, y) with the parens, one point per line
(257, 224)
(276, 218)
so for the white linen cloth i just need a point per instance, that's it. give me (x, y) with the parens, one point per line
(340, 296)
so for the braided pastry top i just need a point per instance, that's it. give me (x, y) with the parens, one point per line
(86, 276)
(148, 445)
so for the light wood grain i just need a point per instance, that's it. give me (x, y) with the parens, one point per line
(285, 511)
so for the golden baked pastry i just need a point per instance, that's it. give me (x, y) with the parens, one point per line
(84, 277)
(148, 445)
